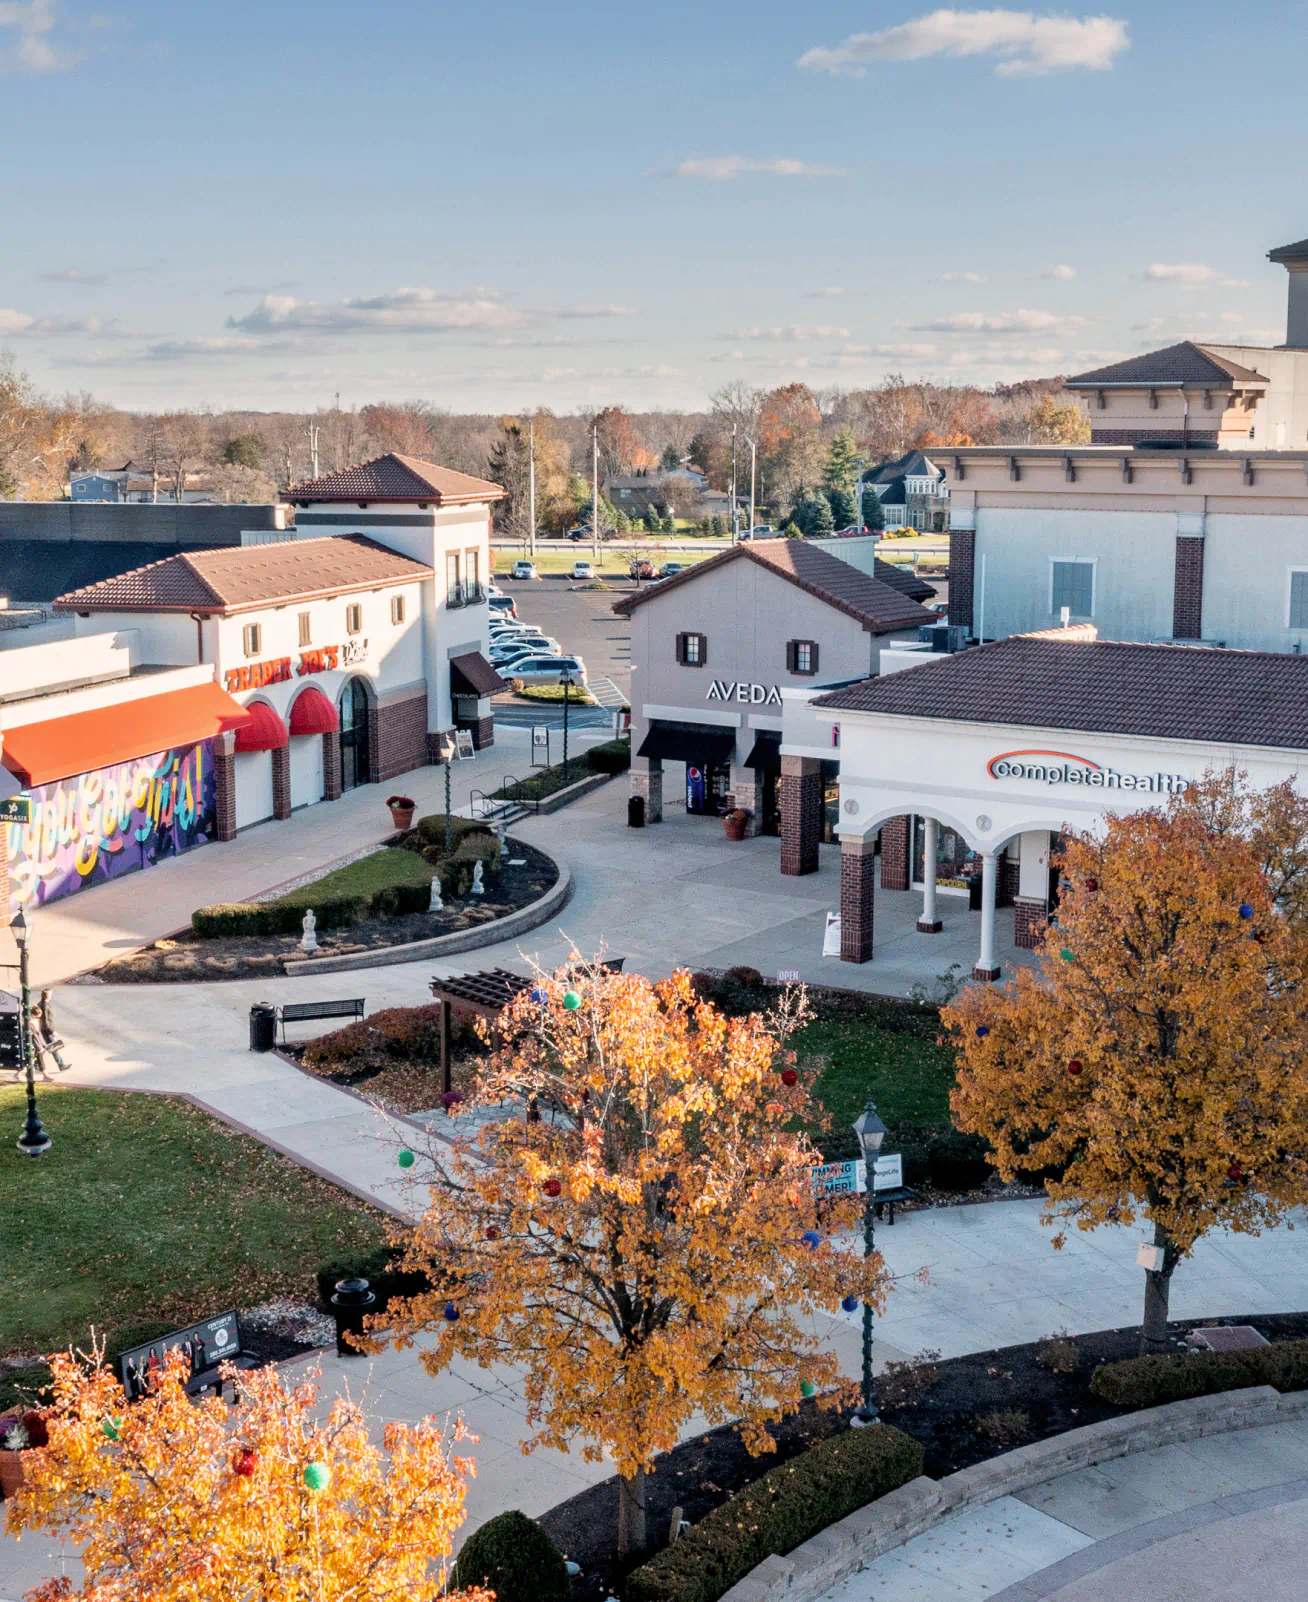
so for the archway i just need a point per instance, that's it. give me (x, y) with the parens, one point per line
(356, 722)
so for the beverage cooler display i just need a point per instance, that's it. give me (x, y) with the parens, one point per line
(708, 784)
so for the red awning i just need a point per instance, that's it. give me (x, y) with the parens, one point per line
(265, 731)
(37, 753)
(313, 713)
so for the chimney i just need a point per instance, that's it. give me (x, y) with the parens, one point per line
(1294, 258)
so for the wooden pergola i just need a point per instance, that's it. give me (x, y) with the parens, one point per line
(486, 994)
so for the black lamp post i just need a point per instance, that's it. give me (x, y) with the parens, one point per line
(34, 1141)
(448, 749)
(871, 1132)
(566, 680)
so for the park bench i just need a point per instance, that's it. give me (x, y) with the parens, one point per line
(207, 1345)
(304, 1011)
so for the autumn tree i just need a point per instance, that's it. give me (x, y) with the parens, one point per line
(1050, 423)
(1154, 1058)
(641, 1242)
(519, 442)
(174, 1500)
(789, 442)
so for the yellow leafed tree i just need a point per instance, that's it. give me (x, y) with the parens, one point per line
(1155, 1057)
(171, 1500)
(633, 1238)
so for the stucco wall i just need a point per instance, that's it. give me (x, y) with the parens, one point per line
(1247, 563)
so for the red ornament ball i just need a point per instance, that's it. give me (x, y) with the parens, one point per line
(1074, 1067)
(789, 1077)
(1235, 1172)
(553, 1187)
(244, 1462)
(1092, 885)
(492, 1232)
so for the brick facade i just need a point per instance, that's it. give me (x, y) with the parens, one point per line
(1134, 436)
(895, 840)
(858, 878)
(281, 777)
(1029, 917)
(224, 767)
(433, 745)
(331, 766)
(647, 781)
(962, 566)
(483, 733)
(1188, 589)
(397, 736)
(801, 814)
(1007, 881)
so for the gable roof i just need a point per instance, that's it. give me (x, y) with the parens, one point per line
(396, 478)
(236, 578)
(1295, 252)
(1186, 363)
(913, 464)
(879, 606)
(1167, 692)
(903, 579)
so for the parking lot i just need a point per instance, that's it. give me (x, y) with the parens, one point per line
(584, 625)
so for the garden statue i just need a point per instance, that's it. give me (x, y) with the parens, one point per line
(308, 940)
(478, 888)
(435, 904)
(499, 835)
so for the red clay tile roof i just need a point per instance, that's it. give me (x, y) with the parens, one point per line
(1186, 363)
(235, 578)
(873, 602)
(1164, 692)
(396, 478)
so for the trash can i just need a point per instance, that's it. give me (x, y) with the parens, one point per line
(263, 1026)
(974, 893)
(352, 1301)
(636, 812)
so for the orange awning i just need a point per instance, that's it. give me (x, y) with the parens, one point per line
(36, 753)
(264, 731)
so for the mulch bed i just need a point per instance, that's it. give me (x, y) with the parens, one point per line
(399, 1086)
(187, 958)
(943, 1411)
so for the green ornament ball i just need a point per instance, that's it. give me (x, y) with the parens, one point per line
(113, 1428)
(571, 1000)
(406, 1159)
(807, 1388)
(317, 1476)
(1066, 954)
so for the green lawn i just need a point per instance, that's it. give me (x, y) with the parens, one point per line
(146, 1208)
(908, 1077)
(363, 878)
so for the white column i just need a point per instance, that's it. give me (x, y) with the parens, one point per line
(986, 968)
(929, 922)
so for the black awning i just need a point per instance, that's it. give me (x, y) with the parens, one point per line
(472, 674)
(688, 742)
(766, 753)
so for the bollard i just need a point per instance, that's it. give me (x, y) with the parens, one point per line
(352, 1300)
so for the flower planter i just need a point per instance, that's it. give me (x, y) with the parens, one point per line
(11, 1473)
(402, 810)
(734, 827)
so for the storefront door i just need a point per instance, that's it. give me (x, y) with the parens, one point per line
(354, 735)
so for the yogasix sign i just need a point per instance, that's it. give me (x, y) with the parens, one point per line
(1063, 767)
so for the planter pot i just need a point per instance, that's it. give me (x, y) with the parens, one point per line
(734, 830)
(402, 817)
(11, 1473)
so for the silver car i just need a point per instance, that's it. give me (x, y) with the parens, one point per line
(539, 669)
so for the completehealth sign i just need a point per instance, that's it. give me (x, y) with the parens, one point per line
(1063, 767)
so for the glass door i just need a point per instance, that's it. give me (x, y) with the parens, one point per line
(354, 736)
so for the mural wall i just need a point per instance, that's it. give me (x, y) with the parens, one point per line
(112, 821)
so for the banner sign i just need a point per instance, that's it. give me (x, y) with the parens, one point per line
(845, 1179)
(103, 824)
(463, 750)
(207, 1345)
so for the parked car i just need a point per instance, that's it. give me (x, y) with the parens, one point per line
(543, 646)
(525, 570)
(493, 590)
(671, 569)
(577, 534)
(546, 669)
(502, 606)
(583, 570)
(642, 568)
(515, 636)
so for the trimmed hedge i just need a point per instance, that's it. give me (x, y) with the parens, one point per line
(374, 1266)
(431, 830)
(614, 756)
(513, 1557)
(783, 1508)
(1151, 1381)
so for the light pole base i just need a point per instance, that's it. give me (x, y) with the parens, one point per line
(859, 1422)
(34, 1147)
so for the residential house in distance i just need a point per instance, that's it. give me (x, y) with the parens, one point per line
(912, 492)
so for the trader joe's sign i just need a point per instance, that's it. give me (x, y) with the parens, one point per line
(279, 669)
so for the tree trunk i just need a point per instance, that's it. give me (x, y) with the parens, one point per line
(1158, 1285)
(632, 1535)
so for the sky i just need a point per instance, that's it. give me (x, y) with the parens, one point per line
(498, 207)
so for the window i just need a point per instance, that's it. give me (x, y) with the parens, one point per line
(253, 638)
(472, 575)
(801, 656)
(397, 609)
(1299, 598)
(353, 619)
(453, 589)
(1072, 585)
(306, 633)
(692, 650)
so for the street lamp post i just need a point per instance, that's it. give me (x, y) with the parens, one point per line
(448, 749)
(566, 680)
(753, 463)
(871, 1132)
(34, 1141)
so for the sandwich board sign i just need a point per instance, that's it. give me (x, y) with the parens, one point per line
(831, 937)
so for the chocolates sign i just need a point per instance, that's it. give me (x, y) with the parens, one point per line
(279, 670)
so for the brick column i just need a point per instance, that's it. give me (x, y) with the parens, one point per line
(858, 878)
(896, 834)
(281, 766)
(434, 739)
(962, 565)
(647, 780)
(483, 733)
(801, 814)
(1188, 589)
(331, 766)
(1029, 918)
(747, 792)
(224, 768)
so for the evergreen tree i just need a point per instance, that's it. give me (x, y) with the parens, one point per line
(671, 459)
(651, 519)
(874, 517)
(822, 521)
(842, 463)
(669, 523)
(841, 502)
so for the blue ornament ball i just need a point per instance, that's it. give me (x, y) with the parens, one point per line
(982, 1030)
(451, 1313)
(849, 1303)
(539, 996)
(811, 1239)
(1246, 911)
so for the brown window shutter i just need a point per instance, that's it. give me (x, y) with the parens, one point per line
(792, 655)
(813, 657)
(703, 650)
(681, 649)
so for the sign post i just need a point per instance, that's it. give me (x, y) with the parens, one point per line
(540, 745)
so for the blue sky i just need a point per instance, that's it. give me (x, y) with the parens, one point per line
(495, 207)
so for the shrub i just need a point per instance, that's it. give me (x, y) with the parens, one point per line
(1004, 1429)
(956, 1161)
(513, 1557)
(411, 1034)
(785, 1506)
(20, 1388)
(614, 756)
(237, 919)
(906, 1382)
(375, 1266)
(431, 829)
(1059, 1354)
(1151, 1381)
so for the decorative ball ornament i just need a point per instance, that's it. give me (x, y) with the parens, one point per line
(1074, 1067)
(492, 1231)
(245, 1461)
(1066, 954)
(317, 1476)
(553, 1187)
(451, 1099)
(406, 1158)
(1235, 1173)
(811, 1239)
(1092, 885)
(1246, 911)
(849, 1303)
(789, 1076)
(113, 1428)
(451, 1313)
(982, 1030)
(807, 1388)
(539, 996)
(571, 1000)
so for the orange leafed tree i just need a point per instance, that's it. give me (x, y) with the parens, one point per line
(632, 1238)
(171, 1500)
(1156, 1054)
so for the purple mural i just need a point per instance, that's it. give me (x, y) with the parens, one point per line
(112, 821)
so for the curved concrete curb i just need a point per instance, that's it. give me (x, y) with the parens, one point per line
(805, 1574)
(485, 934)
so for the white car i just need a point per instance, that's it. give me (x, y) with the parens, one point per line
(544, 646)
(494, 589)
(583, 570)
(525, 570)
(514, 631)
(546, 669)
(503, 606)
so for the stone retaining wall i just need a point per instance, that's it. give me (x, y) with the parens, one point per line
(850, 1544)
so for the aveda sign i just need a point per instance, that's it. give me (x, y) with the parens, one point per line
(745, 694)
(1063, 767)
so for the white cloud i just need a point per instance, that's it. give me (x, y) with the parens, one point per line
(1232, 283)
(796, 333)
(1151, 325)
(1027, 45)
(32, 50)
(1101, 358)
(176, 350)
(831, 292)
(1018, 322)
(19, 325)
(962, 278)
(264, 289)
(75, 275)
(719, 169)
(1061, 271)
(404, 311)
(585, 311)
